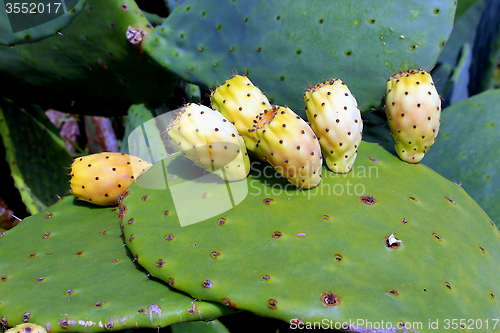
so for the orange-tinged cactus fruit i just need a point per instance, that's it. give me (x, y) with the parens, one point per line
(334, 115)
(103, 177)
(413, 109)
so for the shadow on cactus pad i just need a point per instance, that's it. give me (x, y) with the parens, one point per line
(67, 269)
(388, 241)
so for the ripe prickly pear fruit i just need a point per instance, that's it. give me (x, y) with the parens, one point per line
(103, 177)
(413, 109)
(27, 328)
(241, 102)
(333, 113)
(286, 141)
(207, 138)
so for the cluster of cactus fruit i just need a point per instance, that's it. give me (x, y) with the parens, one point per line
(246, 121)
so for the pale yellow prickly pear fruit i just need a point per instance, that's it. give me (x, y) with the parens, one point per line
(27, 328)
(103, 177)
(241, 102)
(207, 138)
(413, 109)
(286, 141)
(334, 115)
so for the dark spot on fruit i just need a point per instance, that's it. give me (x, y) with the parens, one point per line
(96, 178)
(207, 284)
(450, 200)
(69, 292)
(413, 198)
(276, 234)
(265, 278)
(338, 257)
(3, 278)
(48, 216)
(330, 299)
(482, 249)
(272, 304)
(99, 304)
(368, 199)
(169, 237)
(403, 221)
(491, 295)
(215, 254)
(102, 232)
(33, 255)
(221, 221)
(26, 317)
(447, 285)
(144, 198)
(170, 281)
(79, 253)
(160, 263)
(267, 201)
(326, 217)
(131, 238)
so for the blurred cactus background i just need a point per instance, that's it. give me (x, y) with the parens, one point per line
(82, 83)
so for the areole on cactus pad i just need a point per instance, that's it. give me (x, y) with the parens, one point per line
(363, 245)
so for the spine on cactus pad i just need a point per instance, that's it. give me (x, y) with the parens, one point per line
(413, 109)
(241, 102)
(334, 115)
(286, 141)
(207, 138)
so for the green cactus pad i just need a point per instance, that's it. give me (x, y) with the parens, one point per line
(465, 150)
(24, 27)
(91, 67)
(285, 46)
(68, 270)
(388, 241)
(36, 154)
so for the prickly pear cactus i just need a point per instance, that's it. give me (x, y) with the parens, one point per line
(240, 101)
(211, 141)
(36, 154)
(465, 152)
(369, 247)
(94, 66)
(413, 109)
(66, 269)
(287, 45)
(286, 141)
(24, 27)
(103, 177)
(333, 113)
